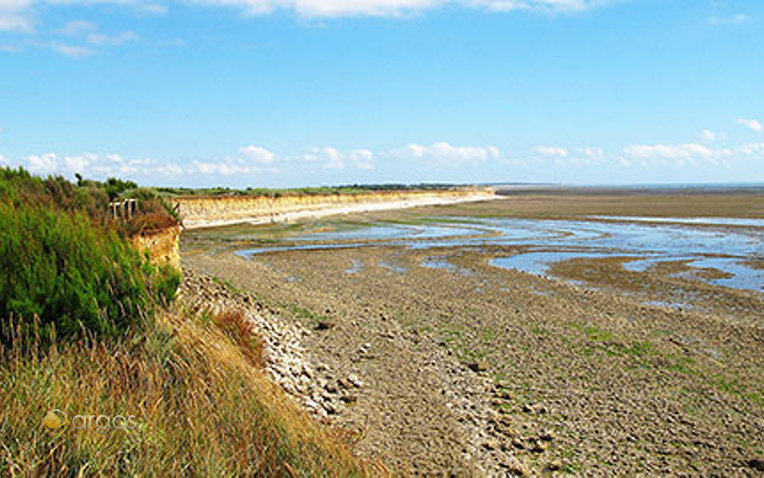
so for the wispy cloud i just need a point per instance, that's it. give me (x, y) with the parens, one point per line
(111, 40)
(552, 6)
(76, 27)
(736, 19)
(690, 153)
(751, 124)
(253, 161)
(74, 51)
(554, 151)
(257, 154)
(680, 152)
(17, 15)
(445, 151)
(398, 8)
(709, 136)
(80, 38)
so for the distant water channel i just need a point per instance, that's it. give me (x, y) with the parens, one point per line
(724, 244)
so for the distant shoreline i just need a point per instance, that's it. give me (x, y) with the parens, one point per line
(268, 217)
(646, 189)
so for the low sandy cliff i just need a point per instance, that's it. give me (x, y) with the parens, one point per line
(218, 211)
(162, 246)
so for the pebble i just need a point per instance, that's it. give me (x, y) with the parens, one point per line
(478, 366)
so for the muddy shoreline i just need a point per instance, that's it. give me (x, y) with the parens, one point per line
(477, 369)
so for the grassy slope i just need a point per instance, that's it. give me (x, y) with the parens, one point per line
(202, 407)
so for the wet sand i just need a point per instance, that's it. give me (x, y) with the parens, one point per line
(591, 367)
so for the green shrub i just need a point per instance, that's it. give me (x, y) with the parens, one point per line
(74, 275)
(165, 283)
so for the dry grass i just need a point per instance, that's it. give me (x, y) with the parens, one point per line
(241, 331)
(201, 406)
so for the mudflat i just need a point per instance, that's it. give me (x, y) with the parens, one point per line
(626, 337)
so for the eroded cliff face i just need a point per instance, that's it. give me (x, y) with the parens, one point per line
(211, 211)
(163, 246)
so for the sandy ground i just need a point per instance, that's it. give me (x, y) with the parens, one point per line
(578, 378)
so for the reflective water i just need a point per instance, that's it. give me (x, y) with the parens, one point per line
(724, 221)
(539, 262)
(440, 262)
(723, 249)
(355, 268)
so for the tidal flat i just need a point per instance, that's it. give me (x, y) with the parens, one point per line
(582, 333)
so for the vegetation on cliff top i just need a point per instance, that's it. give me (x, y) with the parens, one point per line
(66, 268)
(309, 191)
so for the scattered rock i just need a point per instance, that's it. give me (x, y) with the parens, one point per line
(354, 380)
(515, 467)
(478, 366)
(491, 444)
(324, 324)
(548, 435)
(539, 446)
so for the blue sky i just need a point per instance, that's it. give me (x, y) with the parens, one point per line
(310, 92)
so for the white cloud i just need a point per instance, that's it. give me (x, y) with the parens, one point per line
(90, 164)
(751, 124)
(552, 6)
(79, 164)
(14, 15)
(362, 158)
(152, 8)
(254, 161)
(343, 8)
(77, 27)
(750, 149)
(74, 51)
(257, 154)
(709, 136)
(111, 40)
(554, 151)
(591, 152)
(736, 19)
(681, 153)
(224, 168)
(327, 156)
(45, 163)
(667, 151)
(331, 8)
(445, 151)
(560, 156)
